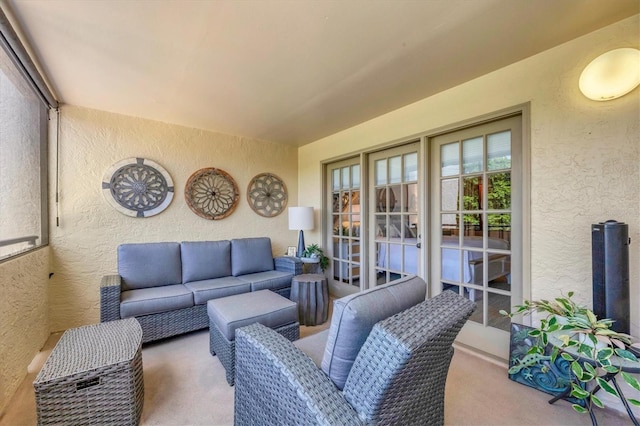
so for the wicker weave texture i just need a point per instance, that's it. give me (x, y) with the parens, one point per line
(399, 375)
(110, 298)
(276, 384)
(226, 350)
(93, 376)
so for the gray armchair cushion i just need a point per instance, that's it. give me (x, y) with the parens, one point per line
(149, 265)
(250, 255)
(147, 301)
(355, 315)
(203, 260)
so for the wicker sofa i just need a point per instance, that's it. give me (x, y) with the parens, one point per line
(166, 286)
(384, 361)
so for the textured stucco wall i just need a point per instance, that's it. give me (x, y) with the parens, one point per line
(84, 245)
(585, 155)
(23, 316)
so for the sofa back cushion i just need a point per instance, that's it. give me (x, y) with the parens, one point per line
(354, 316)
(149, 265)
(250, 255)
(203, 260)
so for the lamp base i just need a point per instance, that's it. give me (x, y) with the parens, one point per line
(300, 243)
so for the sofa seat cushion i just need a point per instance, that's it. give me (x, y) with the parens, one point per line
(147, 265)
(219, 287)
(266, 307)
(354, 316)
(268, 280)
(147, 301)
(203, 260)
(250, 255)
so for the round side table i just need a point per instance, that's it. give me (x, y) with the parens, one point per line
(311, 293)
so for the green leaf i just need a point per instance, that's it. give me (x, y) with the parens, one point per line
(503, 312)
(607, 387)
(631, 381)
(578, 392)
(610, 368)
(605, 353)
(597, 401)
(634, 402)
(566, 356)
(590, 368)
(623, 353)
(535, 332)
(592, 317)
(577, 369)
(579, 408)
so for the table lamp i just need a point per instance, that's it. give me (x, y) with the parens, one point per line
(300, 218)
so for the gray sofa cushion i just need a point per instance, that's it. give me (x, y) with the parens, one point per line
(250, 255)
(313, 346)
(219, 287)
(147, 301)
(354, 316)
(265, 307)
(267, 280)
(203, 260)
(149, 265)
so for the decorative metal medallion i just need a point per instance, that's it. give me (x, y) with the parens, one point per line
(267, 195)
(138, 187)
(211, 193)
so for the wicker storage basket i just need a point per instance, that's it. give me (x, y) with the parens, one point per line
(93, 376)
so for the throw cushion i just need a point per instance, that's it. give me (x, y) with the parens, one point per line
(149, 265)
(203, 260)
(250, 255)
(354, 316)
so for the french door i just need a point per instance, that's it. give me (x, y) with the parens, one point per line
(394, 212)
(476, 225)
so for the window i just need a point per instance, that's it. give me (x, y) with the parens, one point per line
(23, 153)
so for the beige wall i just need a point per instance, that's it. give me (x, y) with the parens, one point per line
(84, 245)
(585, 159)
(23, 317)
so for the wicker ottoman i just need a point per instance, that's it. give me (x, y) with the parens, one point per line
(93, 376)
(227, 314)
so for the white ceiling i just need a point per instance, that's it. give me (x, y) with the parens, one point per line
(286, 71)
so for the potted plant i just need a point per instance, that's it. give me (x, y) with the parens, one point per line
(315, 252)
(587, 343)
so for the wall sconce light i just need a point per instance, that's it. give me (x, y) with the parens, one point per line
(300, 218)
(611, 75)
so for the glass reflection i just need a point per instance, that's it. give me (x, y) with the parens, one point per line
(412, 197)
(381, 227)
(411, 167)
(336, 179)
(355, 176)
(473, 225)
(472, 187)
(499, 229)
(410, 260)
(450, 159)
(394, 198)
(450, 229)
(496, 303)
(499, 191)
(499, 151)
(381, 172)
(450, 264)
(395, 169)
(472, 155)
(346, 182)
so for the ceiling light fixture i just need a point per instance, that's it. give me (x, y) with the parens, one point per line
(611, 75)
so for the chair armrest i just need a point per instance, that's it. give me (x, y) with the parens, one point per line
(289, 264)
(110, 298)
(277, 384)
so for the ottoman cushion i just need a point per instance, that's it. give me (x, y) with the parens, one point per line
(264, 306)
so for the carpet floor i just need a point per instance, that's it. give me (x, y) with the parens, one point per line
(185, 385)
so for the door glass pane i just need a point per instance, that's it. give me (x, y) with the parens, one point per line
(394, 198)
(345, 177)
(450, 229)
(496, 303)
(381, 226)
(410, 259)
(450, 159)
(395, 169)
(499, 272)
(472, 186)
(381, 172)
(449, 194)
(499, 151)
(472, 155)
(499, 231)
(335, 202)
(395, 226)
(499, 191)
(336, 179)
(472, 230)
(411, 167)
(478, 297)
(412, 197)
(450, 264)
(355, 176)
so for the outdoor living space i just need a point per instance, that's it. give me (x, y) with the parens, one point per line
(449, 140)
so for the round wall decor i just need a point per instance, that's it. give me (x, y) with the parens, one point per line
(138, 187)
(267, 195)
(211, 193)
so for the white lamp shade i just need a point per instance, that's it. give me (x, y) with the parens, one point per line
(611, 75)
(300, 218)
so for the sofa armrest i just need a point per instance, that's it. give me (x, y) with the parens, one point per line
(277, 384)
(110, 298)
(289, 264)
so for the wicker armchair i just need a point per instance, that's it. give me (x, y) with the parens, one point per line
(398, 377)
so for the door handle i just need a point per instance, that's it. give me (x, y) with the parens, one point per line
(419, 245)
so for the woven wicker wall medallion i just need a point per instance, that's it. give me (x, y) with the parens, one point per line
(211, 193)
(267, 195)
(138, 187)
